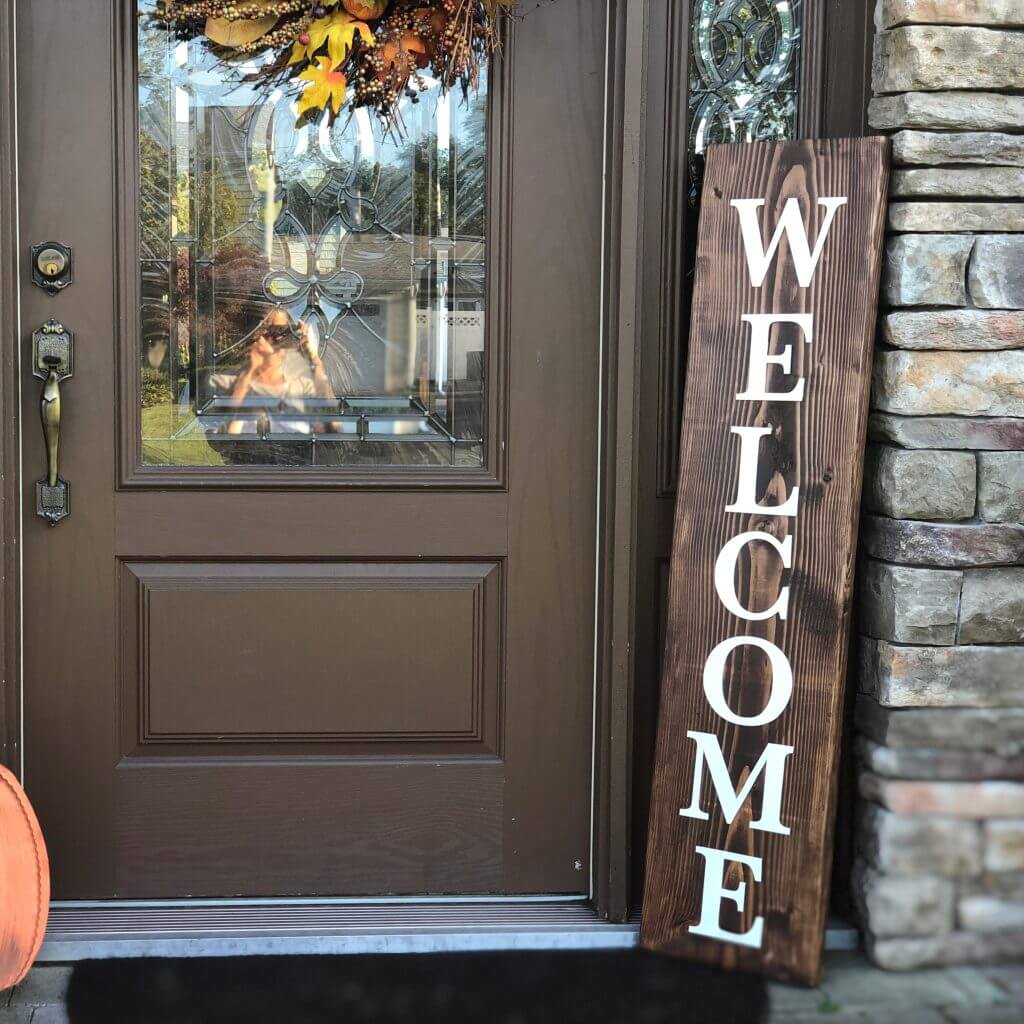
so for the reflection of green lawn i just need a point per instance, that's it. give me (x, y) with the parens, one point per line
(159, 450)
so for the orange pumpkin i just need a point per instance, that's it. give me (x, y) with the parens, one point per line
(365, 10)
(24, 883)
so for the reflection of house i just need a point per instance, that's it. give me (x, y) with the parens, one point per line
(415, 319)
(394, 291)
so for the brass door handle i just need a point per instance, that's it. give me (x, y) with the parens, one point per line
(53, 348)
(49, 409)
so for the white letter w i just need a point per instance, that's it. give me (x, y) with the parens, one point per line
(790, 224)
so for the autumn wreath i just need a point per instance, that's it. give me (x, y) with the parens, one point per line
(363, 53)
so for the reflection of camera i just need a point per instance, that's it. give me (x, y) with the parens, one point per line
(280, 336)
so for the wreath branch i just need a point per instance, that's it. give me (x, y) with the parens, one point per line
(339, 54)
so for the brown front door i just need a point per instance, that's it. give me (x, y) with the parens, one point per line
(320, 620)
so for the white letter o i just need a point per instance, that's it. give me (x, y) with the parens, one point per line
(782, 680)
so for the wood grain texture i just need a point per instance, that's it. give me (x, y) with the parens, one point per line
(818, 445)
(217, 826)
(835, 77)
(213, 806)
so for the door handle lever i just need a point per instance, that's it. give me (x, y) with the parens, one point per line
(52, 362)
(49, 408)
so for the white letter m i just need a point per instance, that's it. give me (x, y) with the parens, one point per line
(772, 762)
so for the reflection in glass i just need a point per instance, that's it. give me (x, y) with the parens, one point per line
(744, 70)
(310, 296)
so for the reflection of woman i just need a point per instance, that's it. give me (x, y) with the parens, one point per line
(279, 366)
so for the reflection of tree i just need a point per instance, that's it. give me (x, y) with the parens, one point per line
(207, 208)
(230, 300)
(154, 191)
(171, 208)
(417, 188)
(471, 195)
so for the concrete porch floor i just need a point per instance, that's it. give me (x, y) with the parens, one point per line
(852, 991)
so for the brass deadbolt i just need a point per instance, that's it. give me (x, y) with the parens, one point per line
(51, 262)
(51, 266)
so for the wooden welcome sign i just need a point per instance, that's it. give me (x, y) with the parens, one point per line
(771, 458)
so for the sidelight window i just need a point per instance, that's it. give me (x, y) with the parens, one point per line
(744, 70)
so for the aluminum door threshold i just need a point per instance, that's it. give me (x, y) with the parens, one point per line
(309, 927)
(254, 928)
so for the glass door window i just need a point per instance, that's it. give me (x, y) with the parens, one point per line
(311, 296)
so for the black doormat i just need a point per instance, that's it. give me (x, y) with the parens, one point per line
(496, 988)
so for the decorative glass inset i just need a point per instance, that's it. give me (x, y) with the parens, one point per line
(744, 71)
(310, 296)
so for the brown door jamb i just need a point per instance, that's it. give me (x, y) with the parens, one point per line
(10, 477)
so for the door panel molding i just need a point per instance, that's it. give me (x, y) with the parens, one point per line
(132, 474)
(198, 636)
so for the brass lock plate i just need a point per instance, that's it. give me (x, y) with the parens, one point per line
(53, 348)
(51, 266)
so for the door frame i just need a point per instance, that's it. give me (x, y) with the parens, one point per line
(643, 316)
(649, 228)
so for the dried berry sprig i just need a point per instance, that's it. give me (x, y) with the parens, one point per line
(372, 53)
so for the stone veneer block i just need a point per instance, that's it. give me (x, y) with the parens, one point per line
(961, 330)
(926, 270)
(941, 677)
(972, 800)
(997, 149)
(942, 217)
(971, 729)
(949, 432)
(992, 607)
(909, 605)
(892, 13)
(943, 545)
(961, 182)
(890, 906)
(928, 57)
(996, 278)
(908, 954)
(920, 484)
(930, 763)
(947, 110)
(950, 383)
(1003, 885)
(986, 914)
(1001, 487)
(946, 847)
(1004, 845)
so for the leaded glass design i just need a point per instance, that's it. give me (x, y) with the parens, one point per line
(310, 296)
(744, 71)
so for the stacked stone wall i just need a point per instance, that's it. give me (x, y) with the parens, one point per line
(940, 710)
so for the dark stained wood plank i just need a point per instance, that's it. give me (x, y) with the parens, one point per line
(816, 444)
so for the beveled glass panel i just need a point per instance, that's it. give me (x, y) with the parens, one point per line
(744, 70)
(310, 296)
